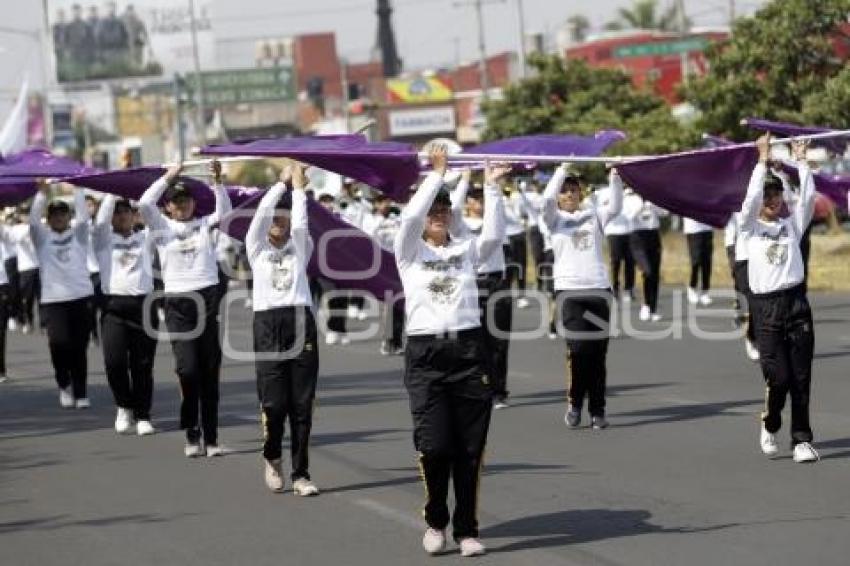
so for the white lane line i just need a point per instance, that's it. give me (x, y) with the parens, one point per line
(390, 513)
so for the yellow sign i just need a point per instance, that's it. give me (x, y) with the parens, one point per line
(420, 89)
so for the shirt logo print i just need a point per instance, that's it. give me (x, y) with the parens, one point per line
(443, 289)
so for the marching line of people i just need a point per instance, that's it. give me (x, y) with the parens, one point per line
(450, 251)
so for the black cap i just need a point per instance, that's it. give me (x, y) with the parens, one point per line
(773, 184)
(122, 205)
(57, 207)
(477, 193)
(442, 198)
(176, 191)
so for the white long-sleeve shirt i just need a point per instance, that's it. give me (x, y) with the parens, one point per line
(775, 258)
(186, 249)
(440, 290)
(466, 227)
(280, 274)
(5, 238)
(62, 256)
(125, 263)
(620, 225)
(27, 257)
(691, 226)
(577, 237)
(642, 214)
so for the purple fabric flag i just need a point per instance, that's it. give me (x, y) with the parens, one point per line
(40, 163)
(132, 183)
(15, 190)
(390, 167)
(343, 253)
(551, 144)
(833, 187)
(707, 185)
(837, 144)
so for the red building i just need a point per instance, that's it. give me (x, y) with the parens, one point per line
(653, 59)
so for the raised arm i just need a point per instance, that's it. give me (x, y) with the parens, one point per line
(413, 216)
(148, 208)
(298, 227)
(259, 229)
(222, 199)
(805, 206)
(615, 199)
(755, 191)
(550, 207)
(80, 223)
(103, 222)
(458, 228)
(38, 232)
(493, 228)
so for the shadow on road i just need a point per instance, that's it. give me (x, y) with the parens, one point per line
(678, 413)
(581, 525)
(559, 396)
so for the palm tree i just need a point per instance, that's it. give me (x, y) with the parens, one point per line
(644, 15)
(578, 25)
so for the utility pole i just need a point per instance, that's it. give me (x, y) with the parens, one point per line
(199, 81)
(343, 81)
(683, 30)
(178, 117)
(731, 14)
(520, 16)
(482, 49)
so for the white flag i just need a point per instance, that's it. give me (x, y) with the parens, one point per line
(13, 136)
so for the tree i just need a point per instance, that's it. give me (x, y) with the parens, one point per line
(571, 97)
(644, 15)
(830, 107)
(578, 26)
(774, 63)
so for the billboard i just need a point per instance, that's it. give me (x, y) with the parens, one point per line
(421, 121)
(106, 39)
(419, 89)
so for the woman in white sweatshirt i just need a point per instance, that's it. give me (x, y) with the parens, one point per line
(190, 275)
(66, 289)
(582, 286)
(445, 372)
(279, 247)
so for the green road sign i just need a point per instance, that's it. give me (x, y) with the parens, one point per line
(657, 49)
(240, 86)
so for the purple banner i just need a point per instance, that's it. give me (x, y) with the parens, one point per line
(551, 144)
(390, 167)
(836, 145)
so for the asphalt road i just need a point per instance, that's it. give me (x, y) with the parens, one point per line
(677, 479)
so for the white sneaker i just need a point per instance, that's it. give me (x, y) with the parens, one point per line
(249, 303)
(693, 296)
(434, 541)
(767, 440)
(273, 475)
(304, 488)
(12, 325)
(752, 350)
(145, 428)
(216, 450)
(361, 315)
(644, 313)
(331, 338)
(345, 340)
(499, 404)
(123, 421)
(705, 299)
(3, 378)
(385, 349)
(553, 336)
(351, 311)
(82, 403)
(655, 317)
(471, 547)
(66, 398)
(27, 328)
(193, 450)
(522, 303)
(805, 453)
